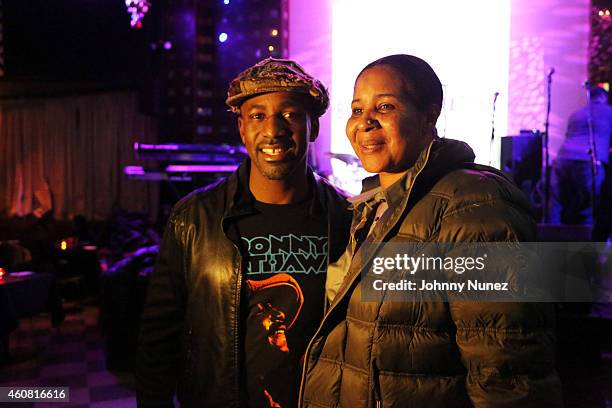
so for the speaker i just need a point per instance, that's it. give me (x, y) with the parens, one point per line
(521, 159)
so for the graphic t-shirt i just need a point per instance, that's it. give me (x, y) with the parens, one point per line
(285, 261)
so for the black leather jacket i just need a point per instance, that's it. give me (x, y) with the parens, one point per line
(190, 328)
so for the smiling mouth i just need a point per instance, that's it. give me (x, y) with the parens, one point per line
(275, 152)
(278, 338)
(371, 146)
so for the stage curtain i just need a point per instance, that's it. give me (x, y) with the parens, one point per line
(67, 154)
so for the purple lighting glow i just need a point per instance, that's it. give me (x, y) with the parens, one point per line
(223, 37)
(201, 168)
(144, 146)
(133, 170)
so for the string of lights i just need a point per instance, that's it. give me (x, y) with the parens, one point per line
(600, 45)
(137, 10)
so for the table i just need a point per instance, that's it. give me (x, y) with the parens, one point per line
(25, 294)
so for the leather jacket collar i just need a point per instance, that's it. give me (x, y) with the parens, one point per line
(242, 202)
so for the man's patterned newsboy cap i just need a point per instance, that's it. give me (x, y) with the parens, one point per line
(276, 75)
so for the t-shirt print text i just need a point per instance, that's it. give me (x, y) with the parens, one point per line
(286, 253)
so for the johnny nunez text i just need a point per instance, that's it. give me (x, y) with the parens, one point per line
(469, 285)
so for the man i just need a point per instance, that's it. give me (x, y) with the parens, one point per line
(239, 256)
(413, 351)
(572, 176)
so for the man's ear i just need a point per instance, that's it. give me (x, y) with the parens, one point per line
(241, 127)
(314, 129)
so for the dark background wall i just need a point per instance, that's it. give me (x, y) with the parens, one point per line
(175, 60)
(74, 40)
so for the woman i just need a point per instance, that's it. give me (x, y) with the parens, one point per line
(425, 354)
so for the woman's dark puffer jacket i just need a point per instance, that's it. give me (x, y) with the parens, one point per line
(461, 354)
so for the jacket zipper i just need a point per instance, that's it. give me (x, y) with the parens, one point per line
(236, 327)
(236, 334)
(340, 296)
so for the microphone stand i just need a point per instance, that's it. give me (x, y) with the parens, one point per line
(592, 149)
(492, 129)
(546, 160)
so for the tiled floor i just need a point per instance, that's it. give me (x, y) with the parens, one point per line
(71, 355)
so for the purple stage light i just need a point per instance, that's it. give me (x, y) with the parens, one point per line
(145, 146)
(223, 37)
(133, 170)
(201, 168)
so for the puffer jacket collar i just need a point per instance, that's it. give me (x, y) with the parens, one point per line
(440, 157)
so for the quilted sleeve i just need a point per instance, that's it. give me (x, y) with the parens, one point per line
(507, 348)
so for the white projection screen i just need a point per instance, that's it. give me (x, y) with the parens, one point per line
(465, 42)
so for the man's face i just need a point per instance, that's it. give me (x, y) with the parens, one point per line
(276, 128)
(273, 322)
(385, 129)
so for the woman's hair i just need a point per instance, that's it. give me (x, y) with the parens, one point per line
(417, 74)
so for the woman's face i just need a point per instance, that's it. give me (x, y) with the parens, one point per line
(386, 129)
